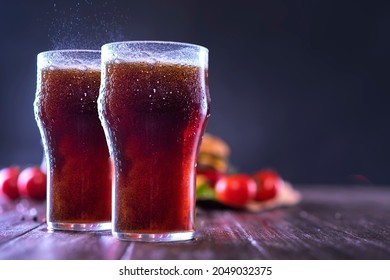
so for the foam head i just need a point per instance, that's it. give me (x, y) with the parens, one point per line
(78, 59)
(155, 51)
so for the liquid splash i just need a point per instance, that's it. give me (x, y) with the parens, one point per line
(86, 25)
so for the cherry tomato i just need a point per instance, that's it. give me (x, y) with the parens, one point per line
(235, 190)
(32, 183)
(8, 182)
(268, 182)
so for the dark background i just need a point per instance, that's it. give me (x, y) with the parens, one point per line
(299, 86)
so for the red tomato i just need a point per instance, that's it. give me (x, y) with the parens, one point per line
(235, 190)
(32, 183)
(268, 183)
(8, 182)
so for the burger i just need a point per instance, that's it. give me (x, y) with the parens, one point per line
(213, 158)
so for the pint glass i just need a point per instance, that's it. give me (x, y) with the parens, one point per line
(154, 105)
(77, 156)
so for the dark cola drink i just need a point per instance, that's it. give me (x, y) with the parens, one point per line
(154, 110)
(79, 167)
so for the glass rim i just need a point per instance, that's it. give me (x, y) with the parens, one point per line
(69, 58)
(150, 42)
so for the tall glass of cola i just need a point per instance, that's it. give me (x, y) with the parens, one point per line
(154, 104)
(79, 168)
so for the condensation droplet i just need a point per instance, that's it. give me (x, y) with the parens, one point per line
(151, 60)
(117, 60)
(33, 212)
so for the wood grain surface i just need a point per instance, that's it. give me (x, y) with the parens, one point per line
(344, 222)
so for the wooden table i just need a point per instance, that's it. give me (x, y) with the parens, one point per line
(330, 223)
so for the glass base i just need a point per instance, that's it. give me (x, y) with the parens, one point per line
(154, 237)
(51, 226)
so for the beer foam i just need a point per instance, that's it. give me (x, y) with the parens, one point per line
(75, 59)
(155, 51)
